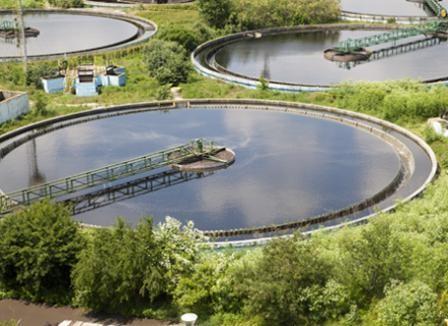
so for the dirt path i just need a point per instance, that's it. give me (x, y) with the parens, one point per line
(40, 315)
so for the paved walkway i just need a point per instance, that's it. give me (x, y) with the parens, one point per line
(42, 315)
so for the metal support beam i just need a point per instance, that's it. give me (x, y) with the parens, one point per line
(88, 179)
(354, 45)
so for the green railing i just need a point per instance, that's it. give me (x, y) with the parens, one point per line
(88, 179)
(437, 8)
(7, 25)
(353, 45)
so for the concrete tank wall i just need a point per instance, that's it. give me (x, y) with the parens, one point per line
(14, 105)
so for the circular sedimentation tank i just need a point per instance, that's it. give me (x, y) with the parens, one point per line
(297, 166)
(292, 59)
(403, 11)
(74, 32)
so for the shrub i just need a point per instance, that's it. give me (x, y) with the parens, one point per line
(216, 12)
(189, 39)
(291, 285)
(252, 14)
(41, 104)
(38, 248)
(119, 268)
(38, 70)
(125, 267)
(67, 3)
(167, 62)
(408, 304)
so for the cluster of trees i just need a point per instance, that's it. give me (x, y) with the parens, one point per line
(392, 271)
(251, 14)
(67, 3)
(45, 256)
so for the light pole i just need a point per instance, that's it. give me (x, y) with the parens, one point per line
(22, 37)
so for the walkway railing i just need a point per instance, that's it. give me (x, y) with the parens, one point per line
(88, 179)
(353, 45)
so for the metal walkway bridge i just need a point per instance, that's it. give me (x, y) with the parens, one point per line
(130, 189)
(437, 8)
(393, 51)
(355, 45)
(89, 179)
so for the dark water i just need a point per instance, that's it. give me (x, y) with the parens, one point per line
(287, 167)
(298, 58)
(63, 33)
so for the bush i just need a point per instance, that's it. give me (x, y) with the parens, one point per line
(167, 62)
(124, 268)
(67, 3)
(252, 14)
(292, 285)
(408, 304)
(120, 268)
(38, 248)
(371, 260)
(36, 71)
(189, 39)
(216, 12)
(41, 104)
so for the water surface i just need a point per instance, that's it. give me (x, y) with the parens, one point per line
(288, 167)
(64, 33)
(298, 58)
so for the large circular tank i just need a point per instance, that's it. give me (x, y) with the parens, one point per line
(403, 11)
(293, 59)
(66, 32)
(297, 166)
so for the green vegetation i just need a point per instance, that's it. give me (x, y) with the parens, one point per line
(167, 62)
(38, 248)
(12, 4)
(251, 14)
(67, 3)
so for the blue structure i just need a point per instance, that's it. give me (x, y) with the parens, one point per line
(53, 85)
(115, 76)
(86, 84)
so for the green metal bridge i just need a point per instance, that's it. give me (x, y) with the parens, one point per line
(104, 175)
(437, 8)
(103, 197)
(355, 45)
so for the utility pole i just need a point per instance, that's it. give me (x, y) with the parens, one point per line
(22, 36)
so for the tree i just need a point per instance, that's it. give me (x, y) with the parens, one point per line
(120, 268)
(189, 38)
(216, 12)
(372, 260)
(291, 285)
(38, 248)
(67, 3)
(408, 304)
(167, 62)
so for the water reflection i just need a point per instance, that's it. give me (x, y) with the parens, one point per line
(62, 33)
(298, 58)
(288, 166)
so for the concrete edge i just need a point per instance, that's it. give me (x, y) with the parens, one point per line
(376, 18)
